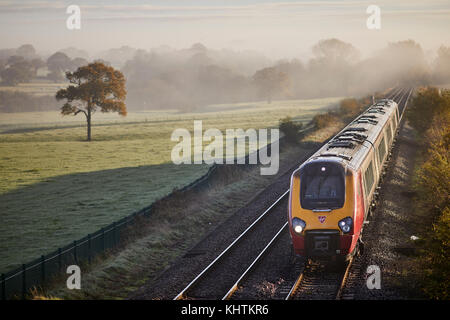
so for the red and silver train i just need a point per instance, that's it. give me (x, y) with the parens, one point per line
(331, 192)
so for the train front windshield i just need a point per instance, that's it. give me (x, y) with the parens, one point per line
(322, 186)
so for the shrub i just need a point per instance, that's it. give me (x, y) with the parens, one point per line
(430, 115)
(321, 121)
(427, 102)
(349, 107)
(437, 247)
(290, 129)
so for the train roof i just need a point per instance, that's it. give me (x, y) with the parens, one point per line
(352, 144)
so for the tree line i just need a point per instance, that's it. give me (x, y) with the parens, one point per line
(195, 77)
(22, 65)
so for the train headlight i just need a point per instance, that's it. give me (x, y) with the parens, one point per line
(346, 224)
(298, 225)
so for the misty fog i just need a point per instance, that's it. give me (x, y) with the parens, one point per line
(194, 77)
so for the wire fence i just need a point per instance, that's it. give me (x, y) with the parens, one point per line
(17, 283)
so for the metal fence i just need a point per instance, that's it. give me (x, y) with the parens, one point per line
(17, 283)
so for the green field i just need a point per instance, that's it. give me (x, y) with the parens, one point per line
(56, 188)
(41, 88)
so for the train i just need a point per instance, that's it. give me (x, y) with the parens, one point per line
(332, 192)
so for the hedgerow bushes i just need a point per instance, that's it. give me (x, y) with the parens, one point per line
(348, 109)
(429, 114)
(290, 129)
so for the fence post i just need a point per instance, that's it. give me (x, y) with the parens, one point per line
(75, 251)
(59, 260)
(103, 239)
(114, 233)
(24, 281)
(43, 268)
(89, 248)
(3, 287)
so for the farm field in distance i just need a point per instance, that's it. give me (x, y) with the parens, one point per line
(39, 88)
(56, 188)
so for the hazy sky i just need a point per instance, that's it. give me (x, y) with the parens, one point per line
(275, 28)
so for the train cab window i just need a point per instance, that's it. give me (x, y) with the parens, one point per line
(322, 185)
(369, 178)
(381, 151)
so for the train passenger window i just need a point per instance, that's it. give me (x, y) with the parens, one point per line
(389, 132)
(322, 185)
(381, 151)
(369, 178)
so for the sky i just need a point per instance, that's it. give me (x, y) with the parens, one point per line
(278, 29)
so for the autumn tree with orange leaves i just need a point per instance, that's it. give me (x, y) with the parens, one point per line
(94, 86)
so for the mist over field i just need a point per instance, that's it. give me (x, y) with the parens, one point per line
(191, 78)
(189, 54)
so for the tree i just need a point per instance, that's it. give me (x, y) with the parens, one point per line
(332, 67)
(427, 103)
(15, 59)
(78, 62)
(27, 51)
(37, 64)
(94, 86)
(57, 64)
(349, 107)
(17, 71)
(442, 65)
(271, 81)
(290, 129)
(335, 51)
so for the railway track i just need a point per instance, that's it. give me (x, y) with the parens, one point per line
(328, 281)
(314, 280)
(209, 276)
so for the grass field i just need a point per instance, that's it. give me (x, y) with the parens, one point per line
(56, 188)
(41, 88)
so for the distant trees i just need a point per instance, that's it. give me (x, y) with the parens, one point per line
(334, 51)
(270, 81)
(17, 70)
(26, 51)
(198, 76)
(332, 68)
(57, 64)
(78, 62)
(441, 67)
(36, 64)
(93, 86)
(17, 101)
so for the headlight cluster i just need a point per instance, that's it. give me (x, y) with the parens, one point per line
(298, 225)
(346, 224)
